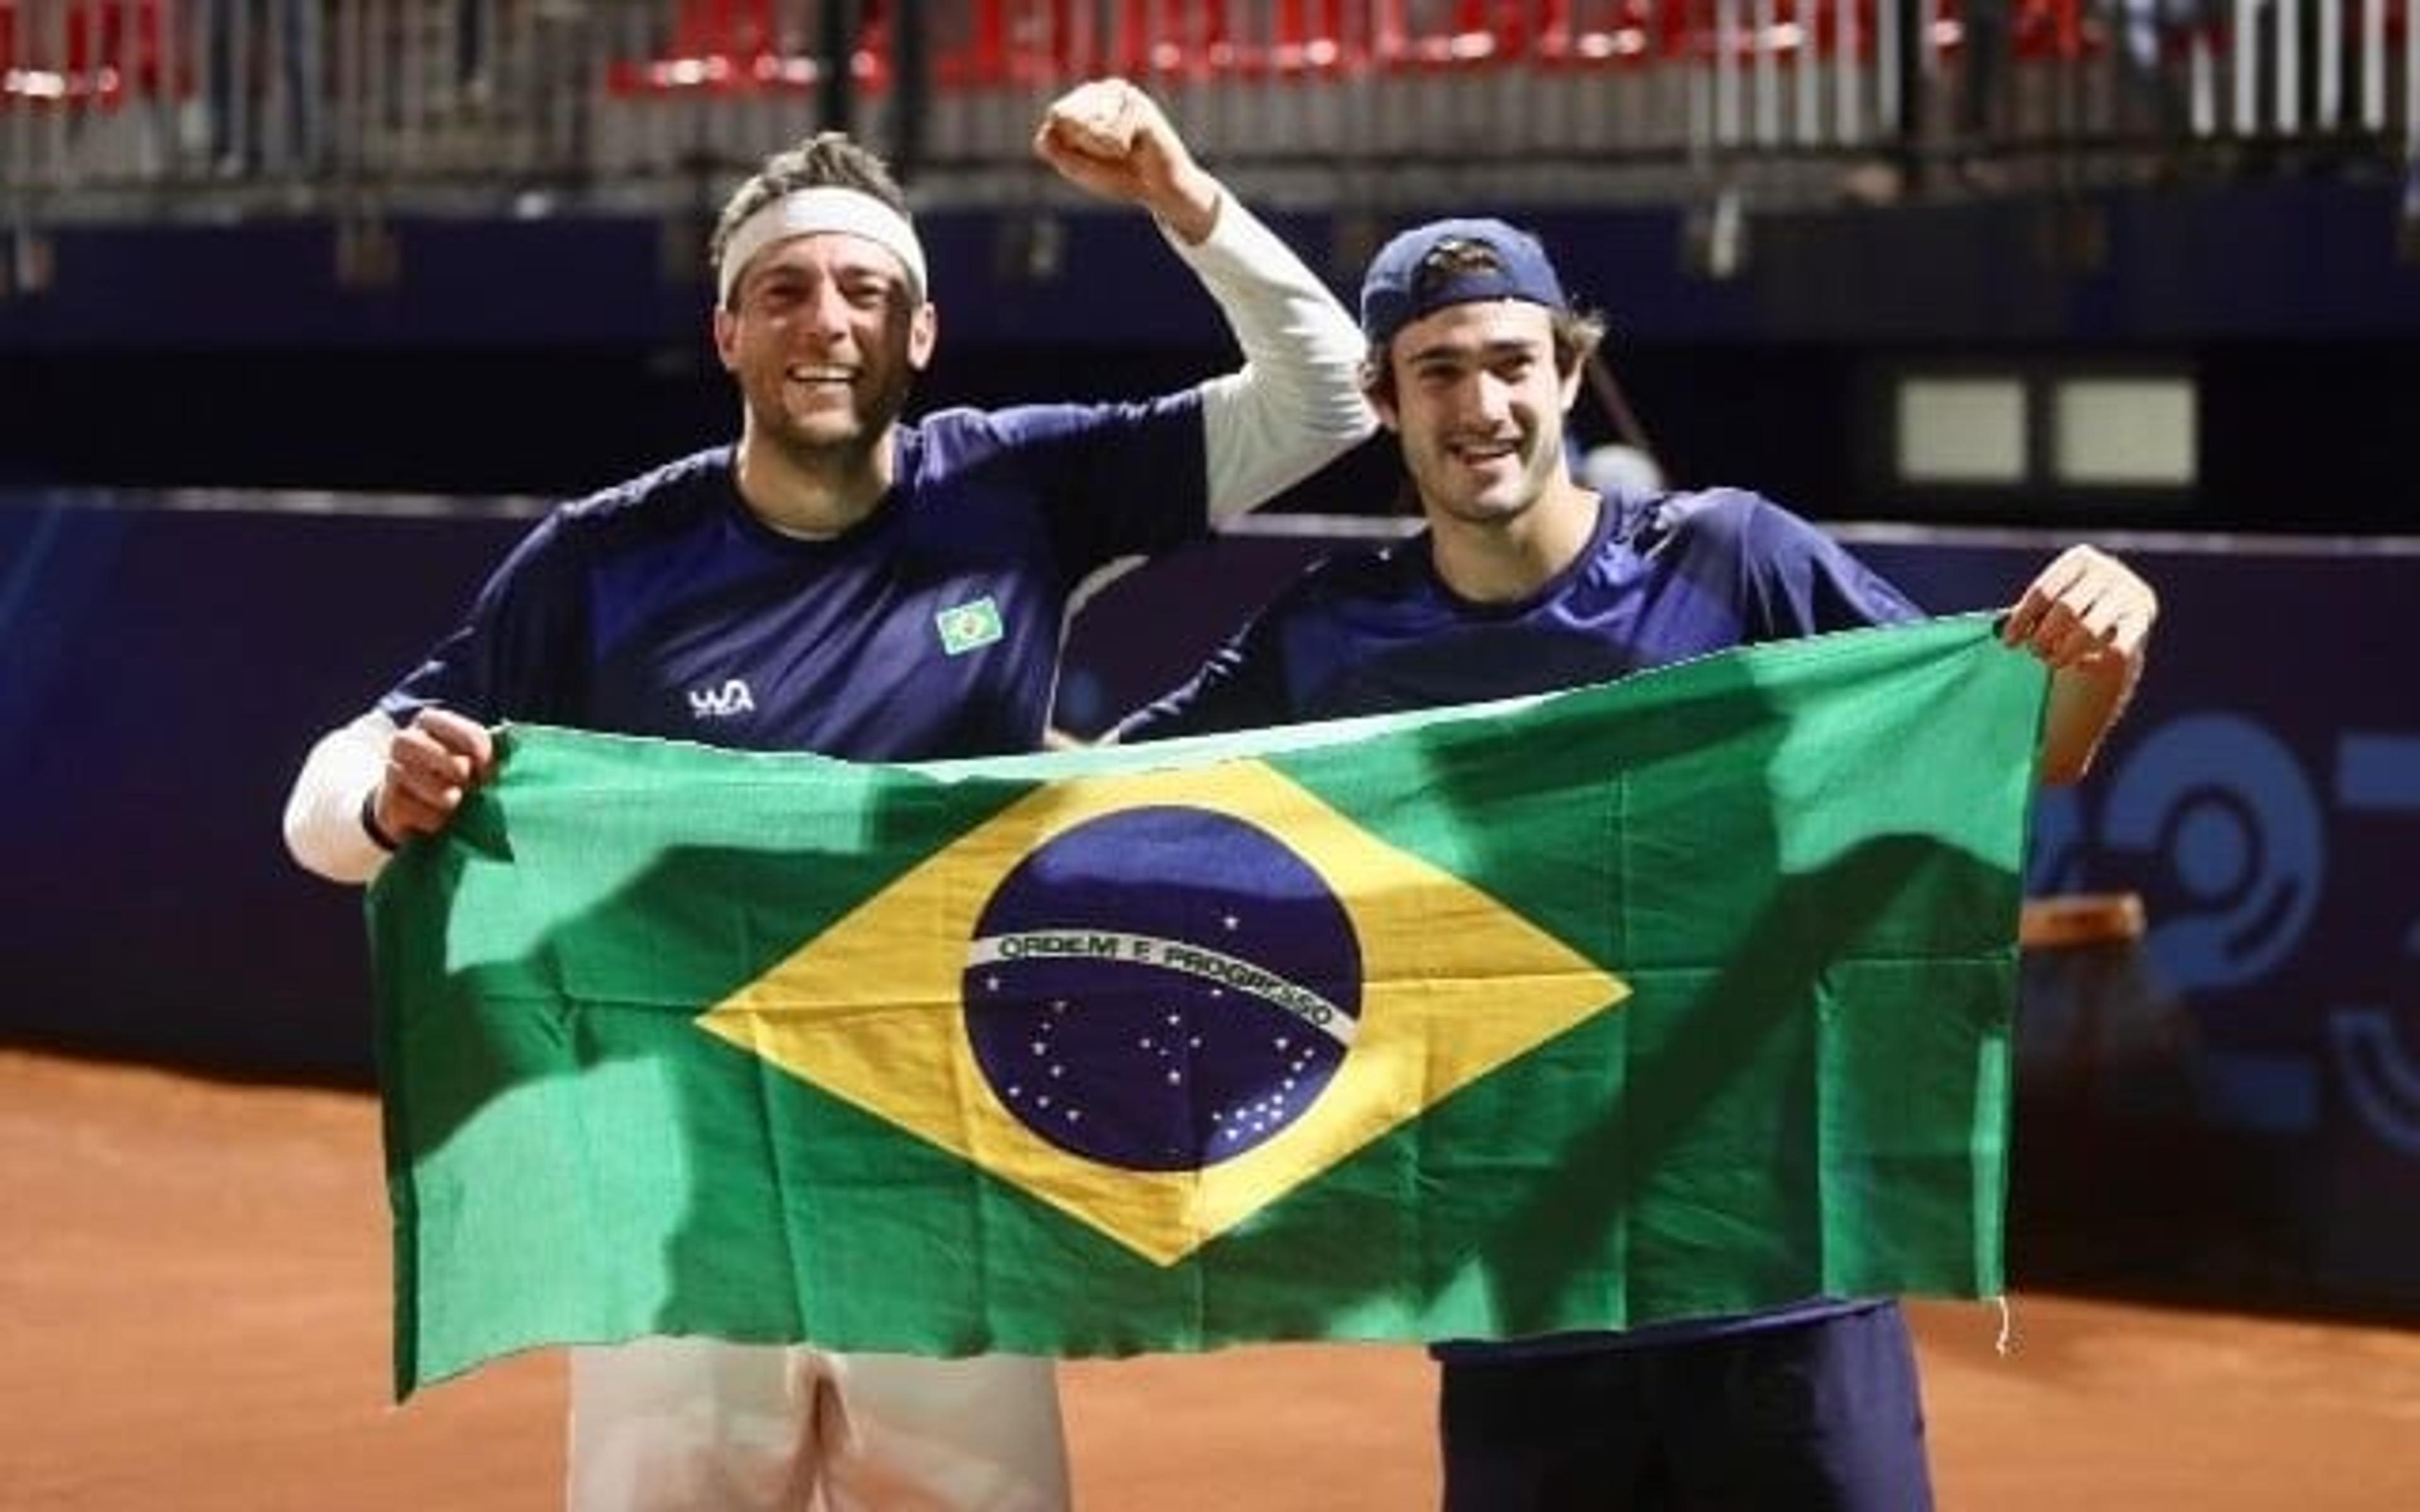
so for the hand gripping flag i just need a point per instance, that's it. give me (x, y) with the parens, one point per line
(1683, 995)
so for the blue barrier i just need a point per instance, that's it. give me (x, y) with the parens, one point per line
(169, 659)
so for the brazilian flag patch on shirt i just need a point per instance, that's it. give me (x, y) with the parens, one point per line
(966, 626)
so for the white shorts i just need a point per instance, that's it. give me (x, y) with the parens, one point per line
(690, 1424)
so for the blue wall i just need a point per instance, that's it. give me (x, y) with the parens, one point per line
(2246, 1094)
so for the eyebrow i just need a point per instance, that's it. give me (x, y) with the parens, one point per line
(1482, 351)
(848, 265)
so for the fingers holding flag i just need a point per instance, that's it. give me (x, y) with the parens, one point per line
(2087, 611)
(2087, 616)
(432, 765)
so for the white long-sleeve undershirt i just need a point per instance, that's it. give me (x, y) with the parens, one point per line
(1295, 405)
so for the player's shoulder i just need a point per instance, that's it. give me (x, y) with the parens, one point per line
(942, 453)
(963, 425)
(1724, 511)
(969, 432)
(947, 445)
(1724, 519)
(1011, 424)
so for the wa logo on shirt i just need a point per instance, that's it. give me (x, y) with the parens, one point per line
(727, 702)
(964, 627)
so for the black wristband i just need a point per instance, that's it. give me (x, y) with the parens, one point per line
(379, 838)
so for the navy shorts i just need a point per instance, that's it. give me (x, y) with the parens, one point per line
(1823, 1415)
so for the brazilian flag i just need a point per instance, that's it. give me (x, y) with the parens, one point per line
(1682, 996)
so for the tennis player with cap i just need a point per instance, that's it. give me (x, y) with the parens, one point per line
(1525, 582)
(847, 581)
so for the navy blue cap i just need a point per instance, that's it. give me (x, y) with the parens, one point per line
(1397, 290)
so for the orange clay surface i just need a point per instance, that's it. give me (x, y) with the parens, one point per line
(194, 1315)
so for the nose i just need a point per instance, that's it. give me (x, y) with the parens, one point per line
(827, 312)
(1489, 399)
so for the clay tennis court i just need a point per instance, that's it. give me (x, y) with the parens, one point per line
(194, 1315)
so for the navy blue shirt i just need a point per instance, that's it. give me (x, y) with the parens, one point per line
(1662, 580)
(930, 629)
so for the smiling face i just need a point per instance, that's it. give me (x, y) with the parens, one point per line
(1478, 403)
(824, 337)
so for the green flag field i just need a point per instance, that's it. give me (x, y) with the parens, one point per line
(1682, 996)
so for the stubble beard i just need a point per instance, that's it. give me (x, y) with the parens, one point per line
(831, 440)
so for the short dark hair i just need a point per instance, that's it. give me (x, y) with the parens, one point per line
(828, 160)
(1577, 334)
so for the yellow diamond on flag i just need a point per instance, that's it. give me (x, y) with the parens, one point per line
(1159, 1001)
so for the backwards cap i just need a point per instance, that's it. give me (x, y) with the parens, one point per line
(1398, 290)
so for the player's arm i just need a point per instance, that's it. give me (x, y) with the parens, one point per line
(2088, 617)
(404, 768)
(1295, 403)
(369, 786)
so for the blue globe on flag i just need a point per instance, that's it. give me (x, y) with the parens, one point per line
(1162, 988)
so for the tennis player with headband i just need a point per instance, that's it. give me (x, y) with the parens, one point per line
(843, 581)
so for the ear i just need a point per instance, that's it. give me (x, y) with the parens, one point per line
(923, 331)
(1381, 400)
(1572, 387)
(726, 338)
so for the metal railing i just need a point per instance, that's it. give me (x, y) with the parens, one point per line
(152, 107)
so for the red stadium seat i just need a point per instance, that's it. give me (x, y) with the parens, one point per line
(109, 50)
(734, 47)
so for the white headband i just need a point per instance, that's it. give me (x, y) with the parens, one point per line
(803, 213)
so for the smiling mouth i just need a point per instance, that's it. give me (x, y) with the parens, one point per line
(1481, 453)
(820, 377)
